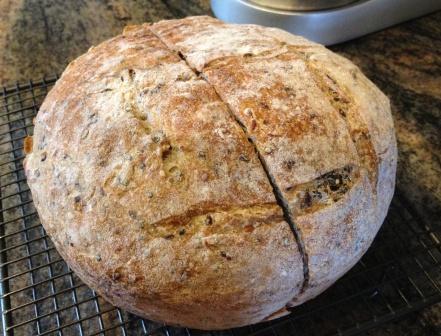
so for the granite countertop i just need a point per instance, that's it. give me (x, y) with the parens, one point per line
(42, 37)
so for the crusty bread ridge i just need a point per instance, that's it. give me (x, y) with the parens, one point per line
(169, 162)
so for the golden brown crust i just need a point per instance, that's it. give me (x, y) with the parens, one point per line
(311, 115)
(133, 150)
(295, 128)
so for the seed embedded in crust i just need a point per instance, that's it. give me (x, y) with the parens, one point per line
(157, 137)
(244, 158)
(208, 220)
(264, 105)
(268, 150)
(178, 176)
(166, 150)
(248, 111)
(78, 204)
(157, 88)
(116, 275)
(132, 278)
(141, 224)
(307, 200)
(225, 255)
(184, 77)
(131, 74)
(289, 164)
(249, 228)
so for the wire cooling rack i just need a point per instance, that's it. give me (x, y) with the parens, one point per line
(40, 295)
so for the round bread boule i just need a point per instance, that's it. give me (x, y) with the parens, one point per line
(210, 175)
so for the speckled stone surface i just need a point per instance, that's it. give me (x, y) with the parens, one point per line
(41, 37)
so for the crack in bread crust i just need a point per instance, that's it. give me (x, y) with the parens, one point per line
(177, 220)
(281, 201)
(324, 190)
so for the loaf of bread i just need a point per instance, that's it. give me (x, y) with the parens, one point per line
(211, 175)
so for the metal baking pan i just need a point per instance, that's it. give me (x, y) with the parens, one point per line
(344, 21)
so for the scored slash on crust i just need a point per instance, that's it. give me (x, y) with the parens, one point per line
(283, 204)
(347, 112)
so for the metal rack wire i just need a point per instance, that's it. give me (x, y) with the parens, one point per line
(39, 294)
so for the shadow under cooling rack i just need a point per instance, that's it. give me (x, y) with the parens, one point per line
(40, 294)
